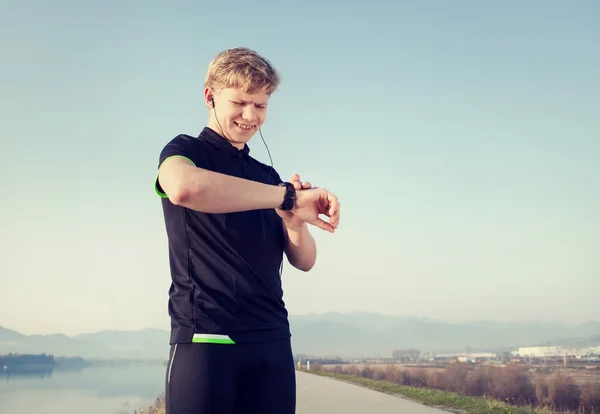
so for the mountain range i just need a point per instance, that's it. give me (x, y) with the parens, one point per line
(346, 335)
(359, 334)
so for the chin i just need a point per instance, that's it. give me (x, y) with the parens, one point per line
(243, 135)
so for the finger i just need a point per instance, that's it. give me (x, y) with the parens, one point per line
(335, 218)
(323, 225)
(334, 210)
(306, 185)
(295, 177)
(297, 185)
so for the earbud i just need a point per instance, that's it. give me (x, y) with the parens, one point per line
(213, 102)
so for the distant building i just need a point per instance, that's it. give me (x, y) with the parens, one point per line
(406, 355)
(556, 351)
(467, 357)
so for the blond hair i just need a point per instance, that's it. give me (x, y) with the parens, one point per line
(242, 68)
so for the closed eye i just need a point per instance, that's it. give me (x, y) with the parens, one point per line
(244, 103)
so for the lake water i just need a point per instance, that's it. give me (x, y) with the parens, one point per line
(92, 390)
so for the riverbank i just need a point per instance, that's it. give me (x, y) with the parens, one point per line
(475, 389)
(448, 401)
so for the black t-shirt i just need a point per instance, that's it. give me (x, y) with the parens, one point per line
(225, 268)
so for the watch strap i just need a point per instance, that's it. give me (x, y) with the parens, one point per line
(289, 199)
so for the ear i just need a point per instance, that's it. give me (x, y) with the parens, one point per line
(208, 97)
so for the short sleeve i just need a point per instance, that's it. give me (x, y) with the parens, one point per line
(180, 146)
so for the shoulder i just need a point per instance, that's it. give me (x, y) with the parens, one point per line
(181, 141)
(186, 146)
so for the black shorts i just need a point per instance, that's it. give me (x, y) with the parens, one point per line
(205, 378)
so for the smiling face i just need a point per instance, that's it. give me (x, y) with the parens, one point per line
(236, 115)
(239, 81)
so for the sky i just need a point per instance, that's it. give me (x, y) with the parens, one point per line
(462, 139)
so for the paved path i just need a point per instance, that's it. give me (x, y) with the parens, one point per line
(322, 395)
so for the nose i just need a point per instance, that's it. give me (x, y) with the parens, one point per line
(249, 113)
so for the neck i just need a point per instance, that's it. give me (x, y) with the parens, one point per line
(217, 128)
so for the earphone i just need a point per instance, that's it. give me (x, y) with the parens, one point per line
(212, 100)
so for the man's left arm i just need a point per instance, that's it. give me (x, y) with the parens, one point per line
(301, 248)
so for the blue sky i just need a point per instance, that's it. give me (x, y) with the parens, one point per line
(462, 140)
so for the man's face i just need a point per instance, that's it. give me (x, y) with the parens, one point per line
(237, 115)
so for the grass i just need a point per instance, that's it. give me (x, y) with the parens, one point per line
(158, 407)
(436, 398)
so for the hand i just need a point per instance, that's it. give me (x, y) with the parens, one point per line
(299, 185)
(288, 217)
(313, 202)
(328, 205)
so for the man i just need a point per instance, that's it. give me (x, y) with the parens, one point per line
(229, 220)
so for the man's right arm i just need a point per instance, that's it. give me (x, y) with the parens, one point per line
(210, 192)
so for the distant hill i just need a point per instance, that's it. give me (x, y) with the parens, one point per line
(359, 334)
(142, 344)
(7, 335)
(330, 334)
(575, 342)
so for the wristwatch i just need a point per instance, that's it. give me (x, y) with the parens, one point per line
(289, 199)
